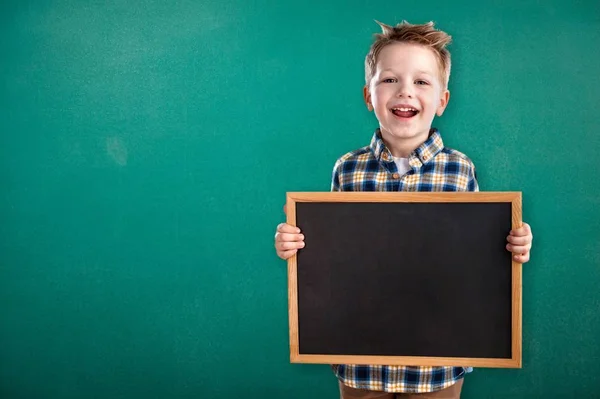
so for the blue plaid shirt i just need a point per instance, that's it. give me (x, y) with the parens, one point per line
(433, 168)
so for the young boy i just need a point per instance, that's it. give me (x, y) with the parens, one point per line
(407, 71)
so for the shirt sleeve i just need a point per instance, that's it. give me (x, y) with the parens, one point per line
(472, 185)
(335, 177)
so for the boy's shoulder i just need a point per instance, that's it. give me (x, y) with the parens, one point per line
(455, 155)
(361, 154)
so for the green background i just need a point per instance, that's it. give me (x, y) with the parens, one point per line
(146, 148)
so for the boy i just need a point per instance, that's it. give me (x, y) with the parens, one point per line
(407, 71)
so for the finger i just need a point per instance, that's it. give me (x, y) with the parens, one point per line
(518, 249)
(524, 230)
(523, 258)
(519, 240)
(287, 245)
(518, 232)
(286, 254)
(289, 237)
(287, 228)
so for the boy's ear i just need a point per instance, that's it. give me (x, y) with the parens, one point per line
(367, 98)
(444, 98)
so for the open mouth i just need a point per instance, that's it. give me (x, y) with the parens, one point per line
(404, 112)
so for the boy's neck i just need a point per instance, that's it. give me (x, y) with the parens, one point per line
(401, 147)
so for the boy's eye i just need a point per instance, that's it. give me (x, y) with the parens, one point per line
(388, 80)
(421, 82)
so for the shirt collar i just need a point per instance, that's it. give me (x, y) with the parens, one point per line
(424, 153)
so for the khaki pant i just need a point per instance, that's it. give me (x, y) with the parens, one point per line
(452, 392)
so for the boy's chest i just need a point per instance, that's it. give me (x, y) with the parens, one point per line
(421, 179)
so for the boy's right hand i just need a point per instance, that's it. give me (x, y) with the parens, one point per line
(288, 240)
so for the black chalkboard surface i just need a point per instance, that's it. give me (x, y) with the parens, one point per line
(405, 278)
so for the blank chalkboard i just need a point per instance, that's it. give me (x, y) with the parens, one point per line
(405, 278)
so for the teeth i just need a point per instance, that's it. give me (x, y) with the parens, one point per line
(404, 109)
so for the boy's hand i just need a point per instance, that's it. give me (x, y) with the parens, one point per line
(288, 239)
(519, 243)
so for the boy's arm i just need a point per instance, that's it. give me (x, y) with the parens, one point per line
(519, 243)
(472, 185)
(335, 178)
(519, 240)
(289, 239)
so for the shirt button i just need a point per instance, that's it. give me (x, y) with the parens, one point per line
(425, 157)
(385, 156)
(396, 176)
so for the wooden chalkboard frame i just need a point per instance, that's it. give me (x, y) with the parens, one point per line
(514, 198)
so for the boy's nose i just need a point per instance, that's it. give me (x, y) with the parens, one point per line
(405, 91)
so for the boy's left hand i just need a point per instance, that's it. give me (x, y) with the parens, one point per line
(519, 243)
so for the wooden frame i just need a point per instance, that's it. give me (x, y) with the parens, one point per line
(511, 197)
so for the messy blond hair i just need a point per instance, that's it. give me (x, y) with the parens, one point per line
(425, 35)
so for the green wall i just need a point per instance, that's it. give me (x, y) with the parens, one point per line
(146, 148)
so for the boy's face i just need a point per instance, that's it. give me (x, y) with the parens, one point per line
(406, 92)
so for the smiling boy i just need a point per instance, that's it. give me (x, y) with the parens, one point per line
(406, 94)
(406, 71)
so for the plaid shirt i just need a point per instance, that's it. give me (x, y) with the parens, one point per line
(433, 168)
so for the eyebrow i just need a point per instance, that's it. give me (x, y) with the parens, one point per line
(419, 71)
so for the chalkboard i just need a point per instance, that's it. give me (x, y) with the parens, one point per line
(135, 255)
(406, 279)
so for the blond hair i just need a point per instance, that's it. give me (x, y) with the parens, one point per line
(425, 35)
